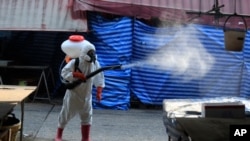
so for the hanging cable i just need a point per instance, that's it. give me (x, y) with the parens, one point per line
(235, 15)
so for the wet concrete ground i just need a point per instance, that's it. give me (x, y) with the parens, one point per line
(137, 124)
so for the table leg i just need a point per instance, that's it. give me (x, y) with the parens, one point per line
(22, 115)
(1, 81)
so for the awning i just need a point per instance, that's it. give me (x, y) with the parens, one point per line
(175, 10)
(137, 8)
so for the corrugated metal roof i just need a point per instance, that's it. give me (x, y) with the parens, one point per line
(166, 9)
(242, 6)
(45, 15)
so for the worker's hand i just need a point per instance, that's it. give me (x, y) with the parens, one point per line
(79, 75)
(99, 94)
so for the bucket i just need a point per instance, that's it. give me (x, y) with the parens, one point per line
(234, 38)
(13, 125)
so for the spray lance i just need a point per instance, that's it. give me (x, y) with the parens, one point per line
(114, 67)
(71, 85)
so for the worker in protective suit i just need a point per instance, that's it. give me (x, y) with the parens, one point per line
(79, 99)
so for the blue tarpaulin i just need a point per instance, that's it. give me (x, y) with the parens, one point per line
(113, 41)
(188, 61)
(206, 70)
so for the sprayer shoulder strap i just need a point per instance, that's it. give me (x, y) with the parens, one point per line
(76, 65)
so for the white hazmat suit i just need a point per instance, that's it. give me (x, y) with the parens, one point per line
(79, 99)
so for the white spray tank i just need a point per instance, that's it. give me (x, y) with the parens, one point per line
(73, 46)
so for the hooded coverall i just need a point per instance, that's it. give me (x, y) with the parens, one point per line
(79, 99)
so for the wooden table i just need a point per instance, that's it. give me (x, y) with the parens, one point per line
(46, 72)
(16, 94)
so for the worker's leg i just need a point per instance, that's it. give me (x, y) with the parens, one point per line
(68, 111)
(86, 121)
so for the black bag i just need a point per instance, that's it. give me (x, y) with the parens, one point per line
(13, 125)
(10, 120)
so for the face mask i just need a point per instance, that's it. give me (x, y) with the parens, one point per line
(91, 56)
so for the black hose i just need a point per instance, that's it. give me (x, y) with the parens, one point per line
(79, 81)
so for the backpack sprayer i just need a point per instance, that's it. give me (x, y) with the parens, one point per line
(71, 85)
(73, 47)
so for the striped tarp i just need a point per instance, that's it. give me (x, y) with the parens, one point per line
(245, 85)
(175, 62)
(192, 60)
(113, 41)
(225, 77)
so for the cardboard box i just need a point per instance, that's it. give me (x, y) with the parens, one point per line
(223, 110)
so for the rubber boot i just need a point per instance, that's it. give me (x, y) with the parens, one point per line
(85, 132)
(59, 134)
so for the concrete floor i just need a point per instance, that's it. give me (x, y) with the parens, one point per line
(40, 124)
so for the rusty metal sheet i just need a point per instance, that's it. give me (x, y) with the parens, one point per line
(41, 15)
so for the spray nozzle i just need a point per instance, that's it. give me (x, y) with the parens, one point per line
(115, 67)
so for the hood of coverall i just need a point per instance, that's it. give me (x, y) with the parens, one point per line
(88, 52)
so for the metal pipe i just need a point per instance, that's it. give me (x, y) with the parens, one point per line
(103, 69)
